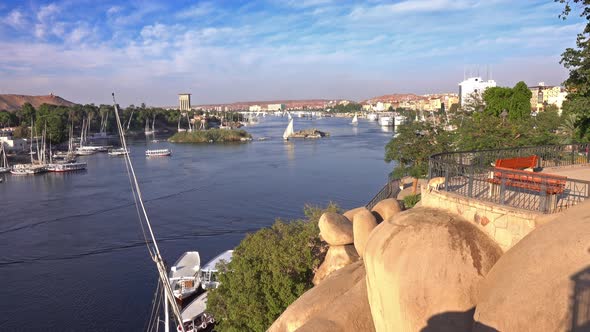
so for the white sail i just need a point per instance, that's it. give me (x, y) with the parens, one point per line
(289, 130)
(355, 120)
(289, 115)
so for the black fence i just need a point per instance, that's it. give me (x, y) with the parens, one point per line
(472, 174)
(390, 189)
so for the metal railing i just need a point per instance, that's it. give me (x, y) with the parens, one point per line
(471, 174)
(390, 189)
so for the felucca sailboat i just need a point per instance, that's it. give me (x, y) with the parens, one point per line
(289, 130)
(4, 168)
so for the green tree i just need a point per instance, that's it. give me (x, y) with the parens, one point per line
(4, 119)
(520, 102)
(25, 114)
(577, 61)
(413, 146)
(270, 269)
(497, 99)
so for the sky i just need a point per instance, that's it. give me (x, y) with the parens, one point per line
(226, 51)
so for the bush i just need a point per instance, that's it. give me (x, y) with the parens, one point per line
(270, 269)
(411, 200)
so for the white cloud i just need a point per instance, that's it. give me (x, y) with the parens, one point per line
(15, 19)
(201, 9)
(47, 12)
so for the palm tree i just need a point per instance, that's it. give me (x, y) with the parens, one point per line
(569, 128)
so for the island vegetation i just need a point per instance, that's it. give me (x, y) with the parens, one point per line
(270, 269)
(211, 136)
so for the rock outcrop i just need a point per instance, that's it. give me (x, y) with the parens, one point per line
(386, 209)
(336, 258)
(362, 225)
(542, 283)
(335, 229)
(351, 213)
(423, 270)
(325, 298)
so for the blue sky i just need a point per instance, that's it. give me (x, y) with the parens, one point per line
(224, 51)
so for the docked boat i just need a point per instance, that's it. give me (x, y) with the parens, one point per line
(386, 121)
(27, 169)
(4, 168)
(66, 167)
(372, 117)
(195, 316)
(355, 120)
(289, 130)
(118, 152)
(158, 153)
(399, 120)
(184, 276)
(85, 151)
(209, 278)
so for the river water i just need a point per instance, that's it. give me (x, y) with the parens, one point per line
(72, 256)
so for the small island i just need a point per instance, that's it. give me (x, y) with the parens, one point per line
(211, 136)
(309, 133)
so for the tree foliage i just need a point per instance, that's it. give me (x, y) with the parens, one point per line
(270, 269)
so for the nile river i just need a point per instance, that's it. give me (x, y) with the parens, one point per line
(71, 252)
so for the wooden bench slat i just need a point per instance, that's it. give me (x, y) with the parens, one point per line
(518, 162)
(554, 184)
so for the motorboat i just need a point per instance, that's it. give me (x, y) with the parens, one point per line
(118, 152)
(209, 279)
(195, 317)
(158, 153)
(66, 167)
(184, 276)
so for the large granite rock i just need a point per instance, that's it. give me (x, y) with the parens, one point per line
(423, 269)
(362, 225)
(318, 299)
(543, 282)
(336, 258)
(349, 312)
(386, 209)
(351, 213)
(335, 229)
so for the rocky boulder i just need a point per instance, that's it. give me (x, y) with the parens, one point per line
(386, 209)
(543, 282)
(362, 225)
(336, 258)
(335, 229)
(318, 299)
(351, 213)
(423, 270)
(349, 312)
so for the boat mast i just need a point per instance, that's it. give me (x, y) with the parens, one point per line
(31, 143)
(153, 249)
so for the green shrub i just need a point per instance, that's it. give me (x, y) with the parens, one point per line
(411, 200)
(270, 269)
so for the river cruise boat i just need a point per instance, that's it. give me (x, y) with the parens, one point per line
(372, 117)
(386, 121)
(27, 169)
(184, 276)
(158, 153)
(118, 152)
(66, 167)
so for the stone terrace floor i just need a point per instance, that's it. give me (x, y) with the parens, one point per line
(578, 172)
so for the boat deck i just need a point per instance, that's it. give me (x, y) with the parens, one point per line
(187, 265)
(224, 256)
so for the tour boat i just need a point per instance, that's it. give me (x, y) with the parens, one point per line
(386, 121)
(399, 120)
(158, 153)
(372, 116)
(86, 151)
(118, 152)
(184, 275)
(355, 120)
(4, 168)
(28, 169)
(194, 315)
(289, 130)
(66, 167)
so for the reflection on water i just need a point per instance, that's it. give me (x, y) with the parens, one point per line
(61, 232)
(386, 129)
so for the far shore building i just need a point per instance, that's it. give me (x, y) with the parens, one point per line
(255, 108)
(275, 107)
(184, 102)
(473, 85)
(12, 144)
(543, 95)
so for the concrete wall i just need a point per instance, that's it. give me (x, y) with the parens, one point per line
(503, 224)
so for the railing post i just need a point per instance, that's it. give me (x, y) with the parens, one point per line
(573, 155)
(470, 185)
(502, 189)
(543, 202)
(446, 178)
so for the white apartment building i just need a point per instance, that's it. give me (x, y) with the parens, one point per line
(255, 108)
(275, 107)
(473, 85)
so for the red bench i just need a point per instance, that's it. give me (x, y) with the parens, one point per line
(553, 184)
(518, 163)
